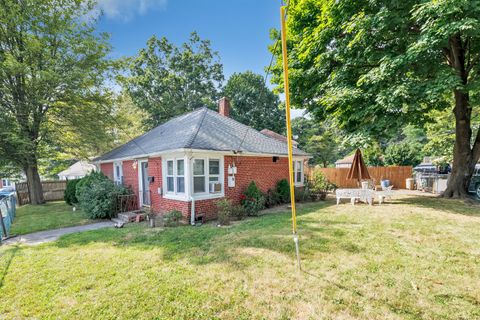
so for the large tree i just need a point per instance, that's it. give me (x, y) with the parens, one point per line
(166, 80)
(253, 103)
(378, 65)
(52, 68)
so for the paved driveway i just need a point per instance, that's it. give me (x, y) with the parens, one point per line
(52, 235)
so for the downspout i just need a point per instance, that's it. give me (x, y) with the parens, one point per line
(192, 213)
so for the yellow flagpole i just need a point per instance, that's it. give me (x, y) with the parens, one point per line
(289, 133)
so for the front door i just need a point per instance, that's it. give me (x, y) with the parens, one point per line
(144, 184)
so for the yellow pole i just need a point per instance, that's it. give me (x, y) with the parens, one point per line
(289, 132)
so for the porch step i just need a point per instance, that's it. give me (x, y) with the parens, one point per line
(128, 216)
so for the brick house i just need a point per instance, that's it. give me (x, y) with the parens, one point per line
(195, 159)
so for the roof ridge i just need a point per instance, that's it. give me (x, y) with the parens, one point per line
(248, 127)
(194, 136)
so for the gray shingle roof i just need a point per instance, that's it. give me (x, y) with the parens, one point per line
(202, 129)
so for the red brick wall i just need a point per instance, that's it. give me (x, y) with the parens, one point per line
(1, 183)
(262, 170)
(130, 175)
(107, 169)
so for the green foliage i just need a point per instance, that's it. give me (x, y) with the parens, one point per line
(253, 103)
(173, 218)
(272, 198)
(70, 192)
(166, 80)
(282, 190)
(319, 185)
(373, 155)
(53, 67)
(252, 199)
(302, 194)
(225, 211)
(402, 154)
(374, 67)
(323, 140)
(97, 195)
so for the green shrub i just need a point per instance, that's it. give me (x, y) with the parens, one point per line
(319, 186)
(173, 218)
(224, 207)
(97, 195)
(272, 198)
(302, 194)
(228, 211)
(283, 190)
(238, 212)
(252, 199)
(69, 194)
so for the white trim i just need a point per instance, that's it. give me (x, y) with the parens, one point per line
(188, 175)
(302, 169)
(186, 150)
(116, 179)
(140, 182)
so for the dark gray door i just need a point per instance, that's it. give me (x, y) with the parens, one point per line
(145, 184)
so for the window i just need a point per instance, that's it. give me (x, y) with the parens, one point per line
(170, 177)
(180, 176)
(118, 173)
(198, 175)
(214, 170)
(298, 171)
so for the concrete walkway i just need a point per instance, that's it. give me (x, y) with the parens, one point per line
(52, 235)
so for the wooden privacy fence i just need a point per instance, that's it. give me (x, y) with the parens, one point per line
(52, 190)
(338, 176)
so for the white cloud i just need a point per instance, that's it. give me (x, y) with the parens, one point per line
(128, 9)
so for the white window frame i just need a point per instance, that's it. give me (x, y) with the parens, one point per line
(204, 175)
(298, 164)
(167, 175)
(220, 175)
(175, 195)
(188, 158)
(118, 179)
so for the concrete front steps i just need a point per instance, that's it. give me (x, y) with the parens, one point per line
(126, 217)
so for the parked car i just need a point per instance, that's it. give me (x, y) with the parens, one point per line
(474, 186)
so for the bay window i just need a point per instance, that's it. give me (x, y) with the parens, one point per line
(198, 176)
(175, 176)
(193, 175)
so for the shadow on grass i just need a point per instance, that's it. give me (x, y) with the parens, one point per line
(8, 255)
(208, 243)
(454, 206)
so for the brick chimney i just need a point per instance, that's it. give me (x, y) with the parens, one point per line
(224, 107)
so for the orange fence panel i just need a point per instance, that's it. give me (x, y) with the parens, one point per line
(338, 176)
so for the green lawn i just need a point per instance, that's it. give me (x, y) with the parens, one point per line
(50, 215)
(412, 258)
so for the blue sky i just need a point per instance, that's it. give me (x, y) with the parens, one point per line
(238, 30)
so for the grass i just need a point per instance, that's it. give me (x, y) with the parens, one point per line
(412, 258)
(51, 215)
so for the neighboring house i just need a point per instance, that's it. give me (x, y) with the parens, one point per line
(345, 162)
(277, 136)
(77, 170)
(193, 160)
(4, 182)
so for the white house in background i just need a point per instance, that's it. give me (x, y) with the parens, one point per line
(345, 162)
(77, 170)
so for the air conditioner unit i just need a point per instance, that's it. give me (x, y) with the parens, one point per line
(215, 187)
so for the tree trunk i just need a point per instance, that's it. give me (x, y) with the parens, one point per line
(463, 157)
(35, 190)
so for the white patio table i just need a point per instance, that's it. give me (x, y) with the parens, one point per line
(364, 195)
